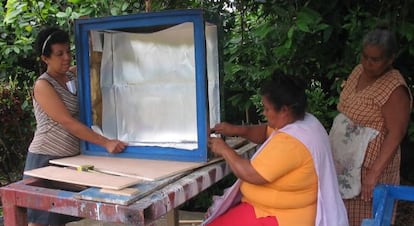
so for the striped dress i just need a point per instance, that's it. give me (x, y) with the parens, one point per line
(50, 138)
(364, 107)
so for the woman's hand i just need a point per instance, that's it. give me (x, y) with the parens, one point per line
(115, 146)
(225, 129)
(240, 166)
(368, 183)
(217, 145)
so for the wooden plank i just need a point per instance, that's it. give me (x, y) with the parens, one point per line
(146, 187)
(144, 169)
(125, 191)
(93, 179)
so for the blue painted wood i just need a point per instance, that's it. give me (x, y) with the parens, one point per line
(144, 20)
(367, 222)
(144, 188)
(384, 199)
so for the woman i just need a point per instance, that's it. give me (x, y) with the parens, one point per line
(374, 108)
(56, 109)
(291, 179)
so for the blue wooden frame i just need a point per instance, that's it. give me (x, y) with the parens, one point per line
(147, 20)
(383, 203)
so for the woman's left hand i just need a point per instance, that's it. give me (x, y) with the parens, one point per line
(217, 145)
(368, 182)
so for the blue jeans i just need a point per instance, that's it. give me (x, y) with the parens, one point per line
(34, 161)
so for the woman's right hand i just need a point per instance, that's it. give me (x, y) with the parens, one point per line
(115, 146)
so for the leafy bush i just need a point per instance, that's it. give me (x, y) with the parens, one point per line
(321, 105)
(16, 127)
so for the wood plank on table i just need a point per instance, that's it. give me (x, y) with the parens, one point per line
(93, 179)
(146, 187)
(144, 169)
(124, 191)
(157, 173)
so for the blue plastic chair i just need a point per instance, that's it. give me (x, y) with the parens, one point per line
(384, 198)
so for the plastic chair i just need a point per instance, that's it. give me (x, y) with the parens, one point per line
(384, 202)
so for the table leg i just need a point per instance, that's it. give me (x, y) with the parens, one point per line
(172, 217)
(13, 215)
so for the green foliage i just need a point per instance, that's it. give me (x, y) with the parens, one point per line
(268, 39)
(317, 40)
(16, 127)
(320, 104)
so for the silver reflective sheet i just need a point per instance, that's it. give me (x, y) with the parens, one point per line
(149, 88)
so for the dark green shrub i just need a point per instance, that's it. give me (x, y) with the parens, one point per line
(16, 128)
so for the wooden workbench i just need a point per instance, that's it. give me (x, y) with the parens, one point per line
(164, 197)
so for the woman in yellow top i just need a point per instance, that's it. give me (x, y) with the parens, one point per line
(291, 179)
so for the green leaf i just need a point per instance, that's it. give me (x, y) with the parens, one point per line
(14, 9)
(407, 31)
(308, 19)
(303, 26)
(75, 15)
(124, 6)
(307, 15)
(290, 32)
(61, 15)
(68, 10)
(287, 44)
(28, 28)
(114, 11)
(16, 50)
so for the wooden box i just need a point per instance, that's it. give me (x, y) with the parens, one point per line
(152, 80)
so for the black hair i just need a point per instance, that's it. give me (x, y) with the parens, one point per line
(382, 36)
(286, 90)
(49, 36)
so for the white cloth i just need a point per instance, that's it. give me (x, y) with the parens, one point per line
(349, 142)
(330, 207)
(231, 196)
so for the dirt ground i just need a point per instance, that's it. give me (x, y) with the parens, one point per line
(405, 209)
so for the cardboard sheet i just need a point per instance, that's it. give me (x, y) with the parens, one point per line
(93, 179)
(136, 168)
(144, 169)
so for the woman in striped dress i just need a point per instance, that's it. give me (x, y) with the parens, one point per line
(56, 109)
